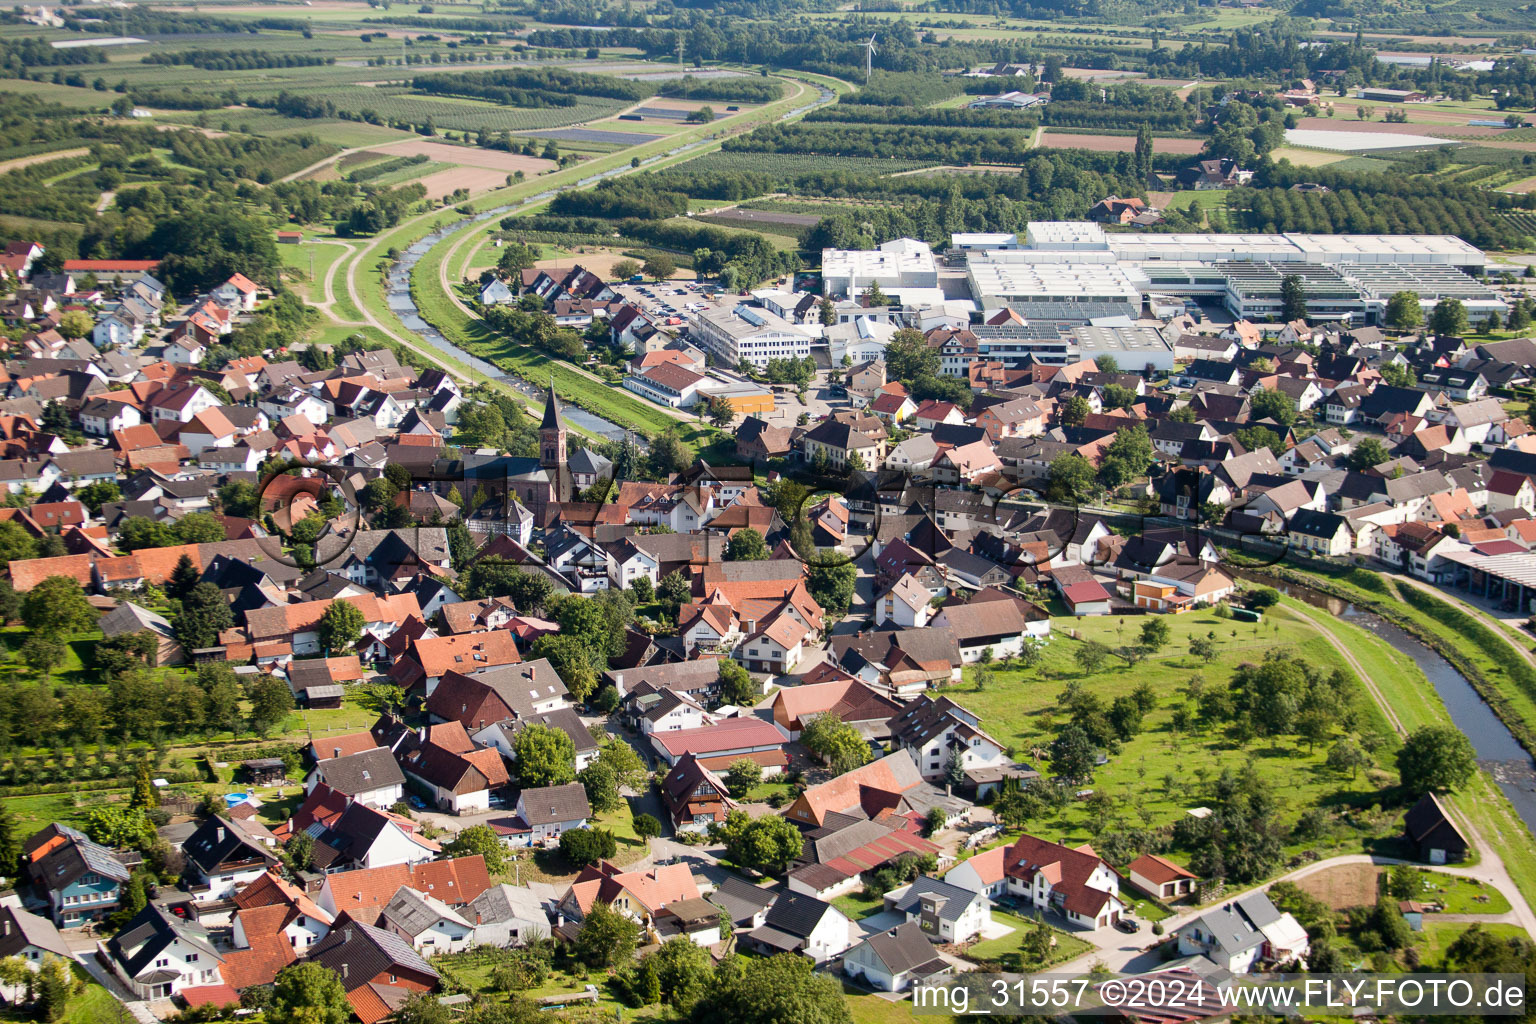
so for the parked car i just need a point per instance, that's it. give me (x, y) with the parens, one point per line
(1129, 925)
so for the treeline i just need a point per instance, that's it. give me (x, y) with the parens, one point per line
(543, 87)
(261, 159)
(384, 167)
(1065, 115)
(16, 54)
(504, 26)
(237, 60)
(746, 257)
(618, 198)
(904, 89)
(1375, 204)
(942, 145)
(727, 90)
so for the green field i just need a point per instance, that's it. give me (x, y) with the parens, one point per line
(1155, 777)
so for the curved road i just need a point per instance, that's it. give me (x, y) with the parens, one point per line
(435, 339)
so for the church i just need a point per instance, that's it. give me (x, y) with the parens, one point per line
(535, 483)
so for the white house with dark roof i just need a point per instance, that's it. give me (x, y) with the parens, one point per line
(893, 960)
(945, 913)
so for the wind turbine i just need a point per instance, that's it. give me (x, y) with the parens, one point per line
(869, 58)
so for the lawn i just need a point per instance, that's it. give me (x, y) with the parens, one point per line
(93, 1004)
(1460, 895)
(1437, 937)
(857, 906)
(1159, 774)
(1064, 946)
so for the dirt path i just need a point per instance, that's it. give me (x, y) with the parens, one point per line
(326, 283)
(105, 201)
(1480, 614)
(40, 158)
(1360, 673)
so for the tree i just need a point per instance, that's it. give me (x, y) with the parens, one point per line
(741, 775)
(583, 846)
(516, 257)
(1072, 479)
(615, 768)
(1436, 759)
(55, 984)
(608, 937)
(121, 828)
(16, 544)
(543, 757)
(144, 795)
(647, 826)
(183, 578)
(341, 627)
(1273, 404)
(827, 312)
(1072, 755)
(1293, 298)
(659, 266)
(198, 528)
(736, 686)
(58, 607)
(746, 546)
(43, 653)
(721, 411)
(308, 993)
(623, 270)
(1091, 656)
(832, 586)
(675, 589)
(271, 703)
(1519, 318)
(204, 613)
(1073, 410)
(1264, 597)
(1154, 633)
(483, 841)
(138, 532)
(765, 844)
(908, 356)
(1404, 311)
(836, 742)
(775, 990)
(76, 324)
(1203, 648)
(1449, 317)
(874, 298)
(1367, 453)
(1347, 756)
(97, 493)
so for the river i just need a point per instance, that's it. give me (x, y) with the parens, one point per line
(1497, 749)
(403, 304)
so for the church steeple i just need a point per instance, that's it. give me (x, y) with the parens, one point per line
(552, 432)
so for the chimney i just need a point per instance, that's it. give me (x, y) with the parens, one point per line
(221, 835)
(7, 927)
(335, 751)
(344, 972)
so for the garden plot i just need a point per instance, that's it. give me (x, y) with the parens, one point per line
(1360, 141)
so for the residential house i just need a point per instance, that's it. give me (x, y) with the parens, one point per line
(945, 913)
(797, 923)
(695, 797)
(895, 959)
(226, 854)
(158, 955)
(80, 879)
(427, 923)
(1241, 934)
(1162, 878)
(546, 811)
(1075, 883)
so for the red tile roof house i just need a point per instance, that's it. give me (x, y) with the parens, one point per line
(716, 746)
(1076, 884)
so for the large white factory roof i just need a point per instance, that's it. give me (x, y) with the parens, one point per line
(1006, 279)
(892, 260)
(1387, 249)
(1203, 247)
(1065, 234)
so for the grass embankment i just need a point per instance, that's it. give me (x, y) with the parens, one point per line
(1415, 703)
(1485, 655)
